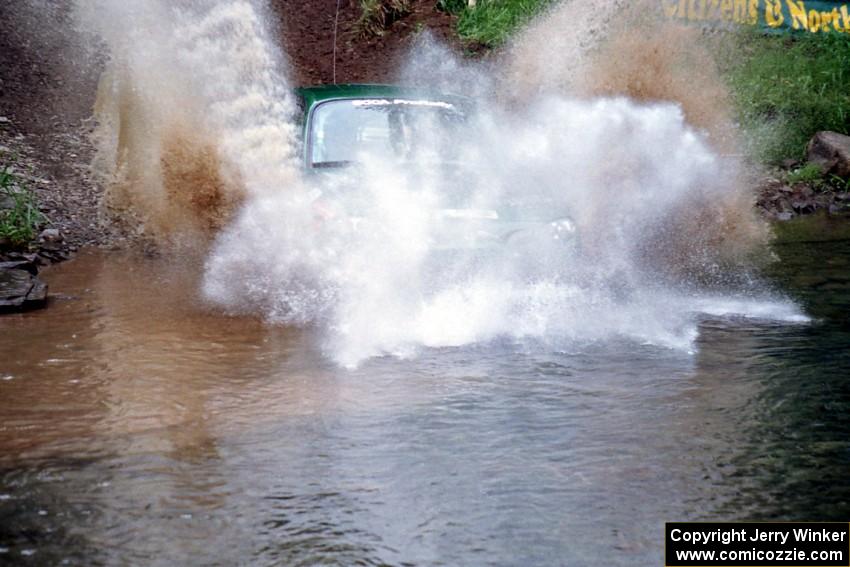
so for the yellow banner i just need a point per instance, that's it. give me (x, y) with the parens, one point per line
(815, 16)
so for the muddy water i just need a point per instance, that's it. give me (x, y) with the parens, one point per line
(138, 428)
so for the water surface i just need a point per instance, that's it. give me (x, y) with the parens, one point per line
(138, 427)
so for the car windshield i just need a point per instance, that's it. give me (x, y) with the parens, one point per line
(343, 131)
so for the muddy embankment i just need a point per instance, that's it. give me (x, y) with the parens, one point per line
(45, 105)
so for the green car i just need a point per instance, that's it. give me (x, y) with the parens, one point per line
(344, 123)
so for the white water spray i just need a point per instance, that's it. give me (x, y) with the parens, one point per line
(197, 121)
(622, 172)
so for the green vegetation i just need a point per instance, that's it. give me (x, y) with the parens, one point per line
(809, 173)
(492, 22)
(376, 16)
(812, 175)
(786, 88)
(839, 183)
(20, 218)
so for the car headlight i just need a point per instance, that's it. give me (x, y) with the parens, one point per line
(562, 228)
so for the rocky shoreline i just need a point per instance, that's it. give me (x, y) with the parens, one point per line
(779, 200)
(67, 202)
(20, 287)
(820, 184)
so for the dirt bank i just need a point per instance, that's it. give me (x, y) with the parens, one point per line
(46, 97)
(307, 36)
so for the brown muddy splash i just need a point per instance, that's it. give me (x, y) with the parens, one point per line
(615, 49)
(163, 181)
(193, 114)
(664, 61)
(194, 184)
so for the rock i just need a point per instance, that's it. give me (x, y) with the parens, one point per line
(784, 216)
(802, 206)
(37, 297)
(21, 291)
(51, 235)
(831, 151)
(52, 254)
(50, 244)
(14, 287)
(27, 265)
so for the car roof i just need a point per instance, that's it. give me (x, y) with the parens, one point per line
(315, 94)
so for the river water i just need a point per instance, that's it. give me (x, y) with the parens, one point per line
(139, 428)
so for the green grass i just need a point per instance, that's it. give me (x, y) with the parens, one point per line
(786, 88)
(812, 175)
(492, 22)
(376, 16)
(809, 173)
(20, 218)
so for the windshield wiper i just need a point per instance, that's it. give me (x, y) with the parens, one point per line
(329, 164)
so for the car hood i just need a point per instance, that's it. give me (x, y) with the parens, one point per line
(459, 224)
